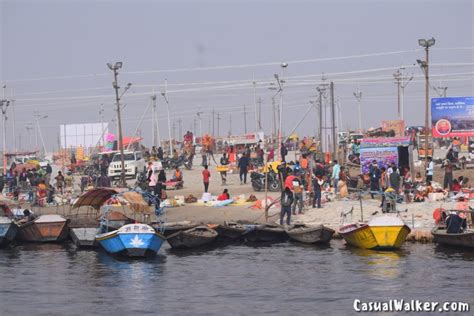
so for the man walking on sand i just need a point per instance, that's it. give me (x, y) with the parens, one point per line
(336, 170)
(243, 168)
(205, 177)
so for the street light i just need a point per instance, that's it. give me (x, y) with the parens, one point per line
(169, 121)
(279, 80)
(115, 67)
(4, 107)
(424, 64)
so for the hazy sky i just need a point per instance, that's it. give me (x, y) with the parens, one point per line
(54, 54)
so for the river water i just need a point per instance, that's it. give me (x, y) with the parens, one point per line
(287, 278)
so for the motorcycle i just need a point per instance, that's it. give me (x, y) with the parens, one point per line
(258, 181)
(172, 163)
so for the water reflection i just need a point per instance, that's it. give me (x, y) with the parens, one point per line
(379, 264)
(54, 279)
(450, 252)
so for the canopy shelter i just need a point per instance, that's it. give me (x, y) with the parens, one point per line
(94, 198)
(97, 197)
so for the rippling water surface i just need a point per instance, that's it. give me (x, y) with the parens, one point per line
(285, 278)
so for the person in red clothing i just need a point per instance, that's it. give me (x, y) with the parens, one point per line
(224, 196)
(205, 177)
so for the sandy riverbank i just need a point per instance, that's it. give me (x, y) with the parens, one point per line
(418, 215)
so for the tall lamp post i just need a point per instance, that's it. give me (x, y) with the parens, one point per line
(169, 121)
(280, 81)
(358, 96)
(426, 43)
(115, 67)
(4, 106)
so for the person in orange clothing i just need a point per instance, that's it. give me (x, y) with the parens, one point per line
(304, 162)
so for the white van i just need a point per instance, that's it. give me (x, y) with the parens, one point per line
(134, 163)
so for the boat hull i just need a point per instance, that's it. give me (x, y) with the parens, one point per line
(190, 239)
(266, 234)
(43, 232)
(84, 236)
(230, 233)
(8, 232)
(361, 237)
(311, 235)
(390, 237)
(375, 237)
(465, 239)
(131, 241)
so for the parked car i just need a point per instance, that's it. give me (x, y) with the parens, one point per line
(134, 163)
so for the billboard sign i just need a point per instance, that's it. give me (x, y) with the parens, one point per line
(452, 117)
(385, 156)
(82, 135)
(398, 126)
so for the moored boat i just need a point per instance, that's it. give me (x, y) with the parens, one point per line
(390, 232)
(194, 237)
(383, 232)
(462, 239)
(452, 229)
(83, 231)
(310, 234)
(171, 228)
(8, 230)
(267, 233)
(45, 228)
(132, 240)
(231, 231)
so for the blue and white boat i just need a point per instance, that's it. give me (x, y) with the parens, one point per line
(132, 240)
(8, 230)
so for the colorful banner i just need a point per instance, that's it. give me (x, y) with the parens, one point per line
(109, 142)
(452, 117)
(384, 157)
(398, 126)
(385, 142)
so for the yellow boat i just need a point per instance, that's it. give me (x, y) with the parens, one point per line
(381, 232)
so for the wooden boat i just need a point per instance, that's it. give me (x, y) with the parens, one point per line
(231, 231)
(382, 232)
(171, 228)
(83, 231)
(310, 234)
(266, 233)
(463, 239)
(132, 240)
(8, 230)
(45, 228)
(194, 237)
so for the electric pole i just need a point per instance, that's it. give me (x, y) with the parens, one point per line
(200, 122)
(273, 120)
(173, 136)
(230, 125)
(218, 119)
(179, 128)
(426, 44)
(213, 129)
(4, 106)
(259, 117)
(333, 124)
(401, 80)
(321, 90)
(245, 120)
(115, 68)
(358, 96)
